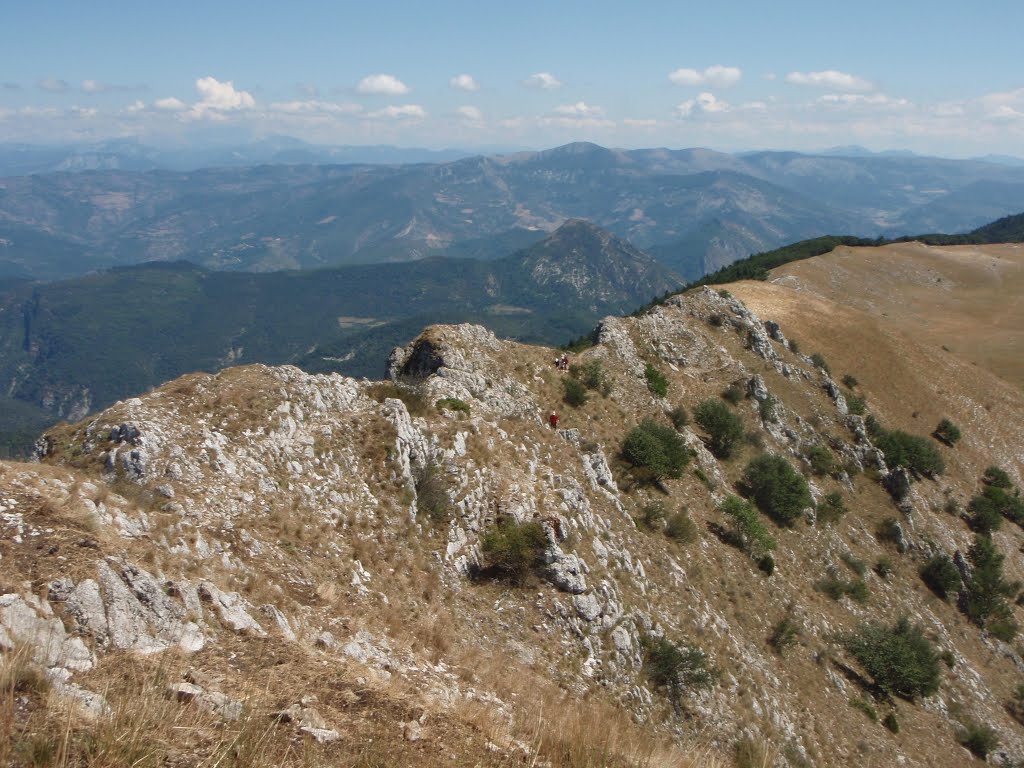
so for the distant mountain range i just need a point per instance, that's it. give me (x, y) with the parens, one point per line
(69, 347)
(695, 210)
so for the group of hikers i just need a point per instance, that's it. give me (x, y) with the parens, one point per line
(562, 364)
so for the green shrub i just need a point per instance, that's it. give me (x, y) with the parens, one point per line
(900, 659)
(985, 515)
(415, 403)
(891, 532)
(724, 428)
(941, 576)
(979, 738)
(733, 394)
(821, 460)
(677, 668)
(591, 375)
(680, 527)
(766, 564)
(831, 507)
(432, 493)
(452, 404)
(997, 478)
(947, 432)
(784, 635)
(745, 529)
(574, 393)
(656, 381)
(652, 516)
(777, 489)
(884, 567)
(902, 449)
(856, 404)
(655, 450)
(514, 552)
(794, 346)
(866, 707)
(890, 722)
(996, 501)
(854, 563)
(850, 381)
(716, 319)
(767, 410)
(985, 602)
(819, 362)
(679, 417)
(837, 587)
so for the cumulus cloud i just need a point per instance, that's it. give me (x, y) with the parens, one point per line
(170, 104)
(401, 112)
(315, 107)
(464, 83)
(1003, 105)
(579, 109)
(862, 99)
(543, 80)
(221, 96)
(705, 103)
(715, 75)
(382, 85)
(94, 86)
(829, 78)
(53, 85)
(470, 113)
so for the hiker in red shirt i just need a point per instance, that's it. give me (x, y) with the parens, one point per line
(553, 420)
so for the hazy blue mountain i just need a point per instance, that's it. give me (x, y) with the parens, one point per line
(697, 209)
(71, 346)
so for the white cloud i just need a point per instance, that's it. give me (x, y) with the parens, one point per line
(705, 103)
(829, 78)
(53, 85)
(1003, 105)
(382, 85)
(464, 83)
(402, 112)
(640, 122)
(862, 99)
(715, 75)
(579, 109)
(543, 80)
(470, 113)
(94, 86)
(315, 107)
(170, 104)
(221, 96)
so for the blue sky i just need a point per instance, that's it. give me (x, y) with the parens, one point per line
(940, 77)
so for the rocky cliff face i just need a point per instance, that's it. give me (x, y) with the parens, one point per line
(308, 556)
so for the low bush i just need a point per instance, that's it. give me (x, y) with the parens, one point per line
(819, 362)
(987, 592)
(941, 576)
(513, 552)
(679, 417)
(947, 432)
(831, 507)
(656, 451)
(432, 493)
(891, 723)
(656, 381)
(777, 489)
(745, 528)
(900, 659)
(997, 478)
(856, 404)
(415, 403)
(452, 404)
(680, 527)
(591, 375)
(677, 668)
(902, 449)
(884, 567)
(985, 515)
(733, 394)
(866, 707)
(978, 738)
(821, 460)
(854, 563)
(850, 381)
(652, 516)
(997, 501)
(724, 428)
(574, 392)
(784, 635)
(767, 409)
(837, 587)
